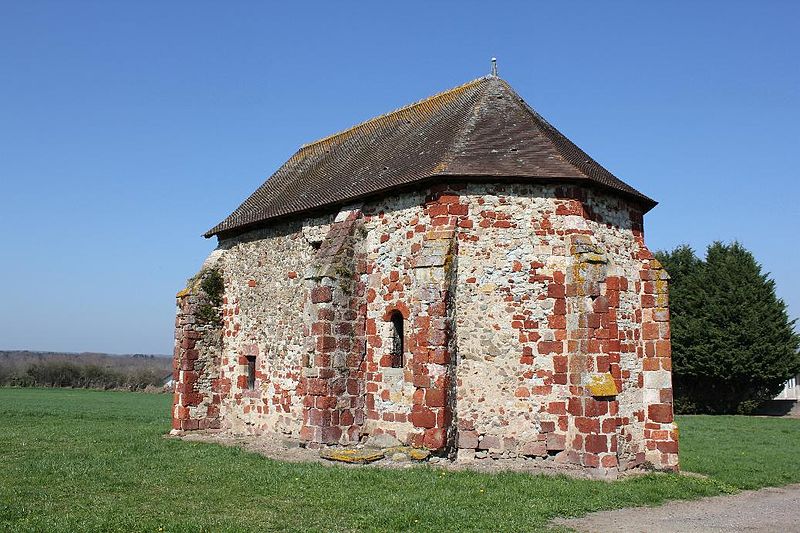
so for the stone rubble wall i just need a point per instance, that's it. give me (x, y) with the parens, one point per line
(536, 324)
(195, 363)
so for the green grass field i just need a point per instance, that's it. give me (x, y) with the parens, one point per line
(75, 460)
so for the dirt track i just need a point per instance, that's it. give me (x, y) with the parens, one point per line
(765, 510)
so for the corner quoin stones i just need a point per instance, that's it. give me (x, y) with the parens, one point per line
(535, 319)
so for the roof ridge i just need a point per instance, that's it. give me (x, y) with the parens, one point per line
(393, 112)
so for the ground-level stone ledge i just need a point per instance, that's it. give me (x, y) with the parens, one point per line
(292, 450)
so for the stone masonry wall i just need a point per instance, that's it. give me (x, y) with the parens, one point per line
(535, 321)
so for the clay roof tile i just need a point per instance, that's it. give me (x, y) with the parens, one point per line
(480, 129)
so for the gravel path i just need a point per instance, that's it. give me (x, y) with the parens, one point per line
(767, 510)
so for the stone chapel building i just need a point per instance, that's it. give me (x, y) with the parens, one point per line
(457, 274)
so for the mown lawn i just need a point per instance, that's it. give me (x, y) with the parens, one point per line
(74, 460)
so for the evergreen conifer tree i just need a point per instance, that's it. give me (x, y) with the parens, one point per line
(733, 345)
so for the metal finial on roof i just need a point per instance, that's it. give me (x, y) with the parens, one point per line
(494, 67)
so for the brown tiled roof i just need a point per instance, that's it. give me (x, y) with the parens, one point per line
(480, 129)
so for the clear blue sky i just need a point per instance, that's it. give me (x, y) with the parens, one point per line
(129, 128)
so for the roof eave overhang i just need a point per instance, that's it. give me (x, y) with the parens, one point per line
(645, 202)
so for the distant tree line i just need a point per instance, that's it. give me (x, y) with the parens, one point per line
(733, 344)
(86, 371)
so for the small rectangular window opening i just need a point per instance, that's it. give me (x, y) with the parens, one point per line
(251, 372)
(397, 340)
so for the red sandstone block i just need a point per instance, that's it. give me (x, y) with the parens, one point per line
(423, 418)
(541, 390)
(321, 294)
(609, 425)
(596, 443)
(650, 331)
(560, 363)
(613, 299)
(417, 439)
(663, 348)
(533, 449)
(448, 198)
(344, 328)
(522, 392)
(443, 418)
(330, 435)
(667, 447)
(547, 347)
(650, 349)
(556, 442)
(421, 380)
(325, 314)
(600, 304)
(435, 397)
(608, 461)
(557, 408)
(326, 343)
(591, 460)
(317, 328)
(593, 407)
(468, 439)
(313, 386)
(556, 290)
(611, 345)
(436, 309)
(353, 386)
(560, 378)
(587, 425)
(489, 441)
(190, 425)
(557, 322)
(458, 209)
(660, 412)
(575, 407)
(434, 439)
(439, 356)
(344, 344)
